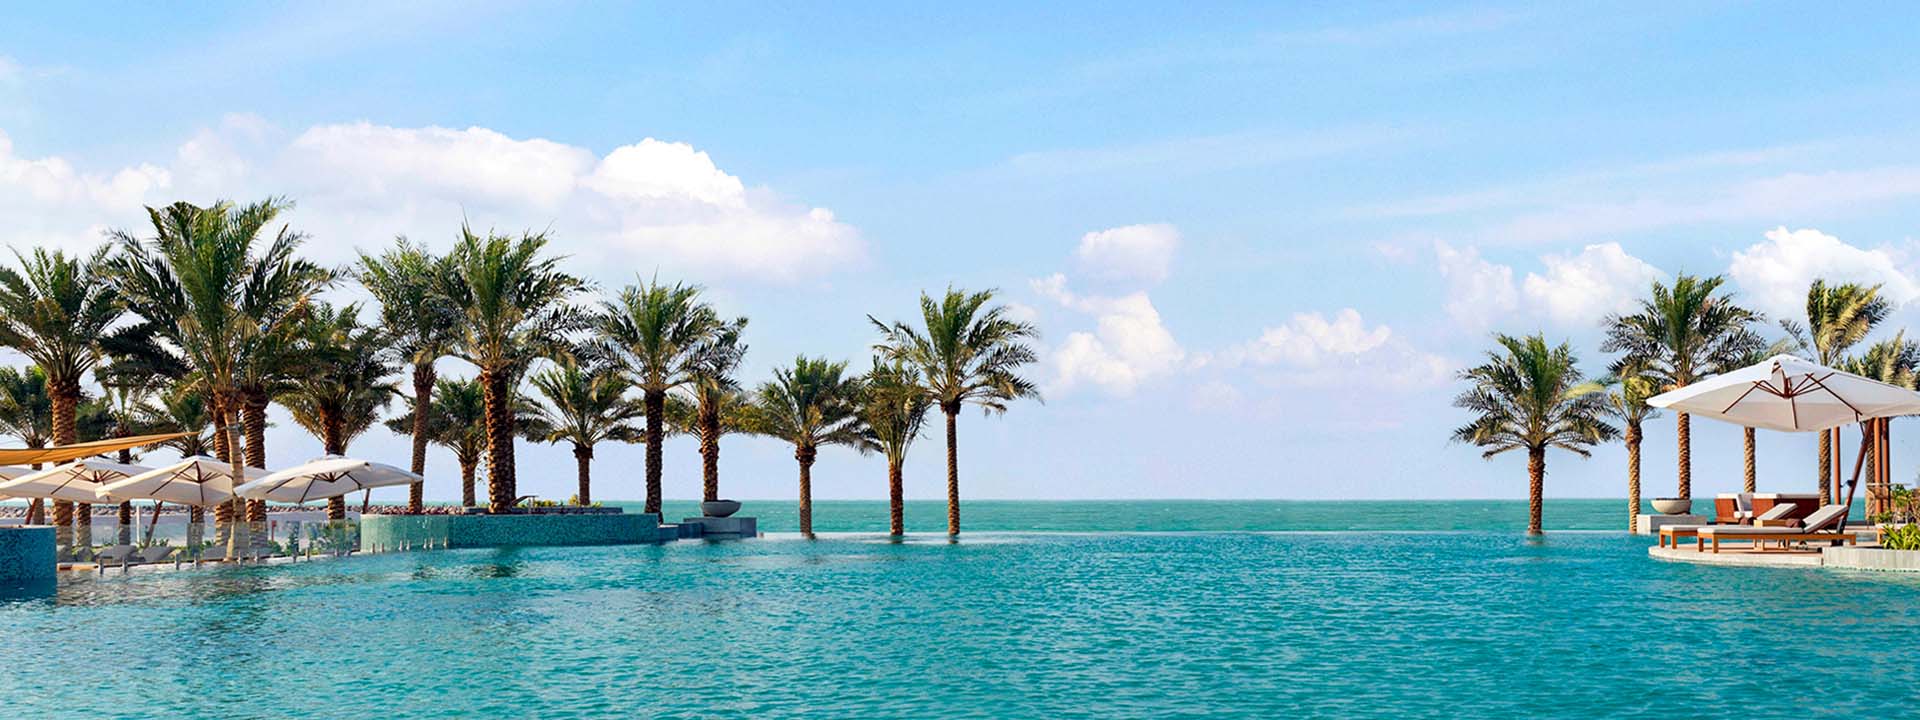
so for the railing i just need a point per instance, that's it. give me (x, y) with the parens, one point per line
(125, 546)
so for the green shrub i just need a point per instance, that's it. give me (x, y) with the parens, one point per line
(1904, 537)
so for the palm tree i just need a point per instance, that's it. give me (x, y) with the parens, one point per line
(54, 309)
(511, 305)
(202, 286)
(812, 404)
(584, 407)
(893, 411)
(26, 412)
(183, 409)
(1838, 317)
(664, 336)
(121, 411)
(347, 383)
(1627, 401)
(421, 323)
(967, 353)
(1683, 333)
(1896, 362)
(715, 395)
(1531, 396)
(457, 421)
(714, 411)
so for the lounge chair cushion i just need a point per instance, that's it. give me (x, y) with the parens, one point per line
(1823, 518)
(1777, 512)
(1742, 530)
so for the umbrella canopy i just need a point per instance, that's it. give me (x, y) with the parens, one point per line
(63, 453)
(74, 481)
(326, 477)
(1789, 394)
(199, 481)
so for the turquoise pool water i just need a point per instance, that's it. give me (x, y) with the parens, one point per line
(1469, 623)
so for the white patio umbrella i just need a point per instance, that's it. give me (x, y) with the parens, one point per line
(74, 481)
(199, 481)
(324, 478)
(1791, 394)
(9, 472)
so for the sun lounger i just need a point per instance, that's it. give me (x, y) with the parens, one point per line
(1671, 534)
(117, 555)
(1820, 526)
(154, 554)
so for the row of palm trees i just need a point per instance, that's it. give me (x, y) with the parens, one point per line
(210, 317)
(1531, 395)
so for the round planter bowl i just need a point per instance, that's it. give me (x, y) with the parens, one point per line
(1673, 506)
(719, 508)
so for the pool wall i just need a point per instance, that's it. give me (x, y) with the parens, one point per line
(27, 554)
(399, 532)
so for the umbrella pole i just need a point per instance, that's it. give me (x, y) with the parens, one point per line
(1865, 442)
(156, 520)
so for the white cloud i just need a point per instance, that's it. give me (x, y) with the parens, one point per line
(645, 206)
(1128, 346)
(1774, 275)
(1133, 252)
(1580, 289)
(1313, 349)
(1478, 292)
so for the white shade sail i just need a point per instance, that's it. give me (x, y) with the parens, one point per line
(74, 481)
(199, 481)
(1790, 394)
(324, 478)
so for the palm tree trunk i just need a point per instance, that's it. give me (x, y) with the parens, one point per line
(656, 408)
(896, 520)
(806, 456)
(1633, 476)
(223, 445)
(236, 508)
(125, 519)
(65, 397)
(953, 470)
(583, 465)
(423, 377)
(709, 451)
(466, 483)
(334, 440)
(1826, 468)
(1686, 457)
(1752, 474)
(254, 419)
(1536, 477)
(498, 397)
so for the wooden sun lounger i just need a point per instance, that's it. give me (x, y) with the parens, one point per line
(1671, 534)
(1761, 538)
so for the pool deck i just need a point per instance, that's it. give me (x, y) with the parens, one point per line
(1738, 556)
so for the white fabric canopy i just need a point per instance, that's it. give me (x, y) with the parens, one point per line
(199, 481)
(1790, 394)
(74, 481)
(324, 478)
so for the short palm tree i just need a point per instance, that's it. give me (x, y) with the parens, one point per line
(421, 323)
(664, 336)
(1839, 316)
(1683, 333)
(183, 409)
(1531, 396)
(812, 404)
(966, 353)
(708, 412)
(200, 286)
(893, 411)
(54, 309)
(347, 383)
(26, 412)
(511, 301)
(1627, 402)
(585, 406)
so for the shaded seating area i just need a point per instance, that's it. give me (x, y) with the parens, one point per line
(1824, 525)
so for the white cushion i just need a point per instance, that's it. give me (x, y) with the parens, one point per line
(1823, 517)
(1777, 511)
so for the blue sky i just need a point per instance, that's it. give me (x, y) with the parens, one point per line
(1258, 239)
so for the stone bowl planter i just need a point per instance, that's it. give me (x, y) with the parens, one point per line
(1673, 506)
(719, 508)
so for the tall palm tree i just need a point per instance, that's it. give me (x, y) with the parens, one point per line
(273, 363)
(183, 409)
(715, 394)
(893, 412)
(347, 383)
(511, 300)
(812, 404)
(421, 323)
(966, 352)
(1684, 332)
(201, 286)
(1895, 361)
(710, 411)
(1838, 318)
(584, 407)
(53, 309)
(1627, 402)
(1531, 396)
(663, 335)
(26, 412)
(457, 421)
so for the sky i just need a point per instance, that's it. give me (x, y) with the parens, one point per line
(1258, 240)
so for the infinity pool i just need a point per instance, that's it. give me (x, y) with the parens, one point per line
(1000, 625)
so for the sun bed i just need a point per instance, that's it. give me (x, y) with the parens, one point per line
(115, 555)
(1820, 526)
(1671, 534)
(155, 554)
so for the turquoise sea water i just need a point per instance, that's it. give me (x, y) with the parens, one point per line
(1234, 621)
